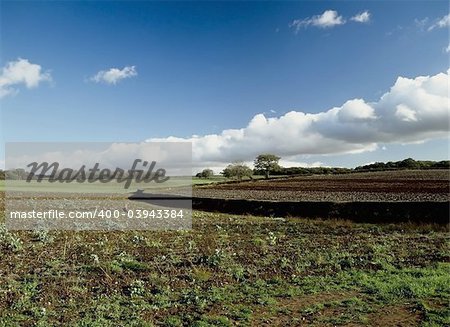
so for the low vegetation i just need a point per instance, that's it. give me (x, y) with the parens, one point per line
(205, 173)
(228, 270)
(237, 170)
(405, 164)
(239, 270)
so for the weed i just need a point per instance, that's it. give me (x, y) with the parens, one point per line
(137, 288)
(9, 240)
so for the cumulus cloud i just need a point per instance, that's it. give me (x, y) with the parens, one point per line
(447, 49)
(21, 72)
(363, 17)
(114, 75)
(441, 23)
(329, 18)
(413, 110)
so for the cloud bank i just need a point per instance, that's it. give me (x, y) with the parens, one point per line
(21, 72)
(174, 157)
(413, 110)
(114, 75)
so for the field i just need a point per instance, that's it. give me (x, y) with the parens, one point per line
(408, 185)
(235, 269)
(97, 187)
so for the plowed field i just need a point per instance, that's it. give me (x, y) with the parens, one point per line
(431, 185)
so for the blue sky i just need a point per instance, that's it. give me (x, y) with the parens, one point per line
(201, 68)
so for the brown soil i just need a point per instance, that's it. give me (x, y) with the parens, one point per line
(382, 186)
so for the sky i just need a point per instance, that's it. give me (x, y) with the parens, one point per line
(337, 83)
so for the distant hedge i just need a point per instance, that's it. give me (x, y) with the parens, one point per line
(378, 166)
(405, 164)
(308, 171)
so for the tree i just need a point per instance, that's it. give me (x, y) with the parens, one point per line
(206, 173)
(15, 174)
(409, 164)
(237, 170)
(267, 163)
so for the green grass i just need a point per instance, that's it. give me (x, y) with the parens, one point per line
(227, 270)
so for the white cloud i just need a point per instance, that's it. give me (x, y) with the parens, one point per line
(356, 110)
(404, 113)
(413, 110)
(295, 163)
(363, 17)
(329, 18)
(114, 75)
(447, 49)
(441, 23)
(21, 72)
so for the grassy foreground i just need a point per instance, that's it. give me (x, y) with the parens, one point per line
(229, 270)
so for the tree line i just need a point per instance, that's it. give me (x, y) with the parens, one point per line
(268, 164)
(405, 164)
